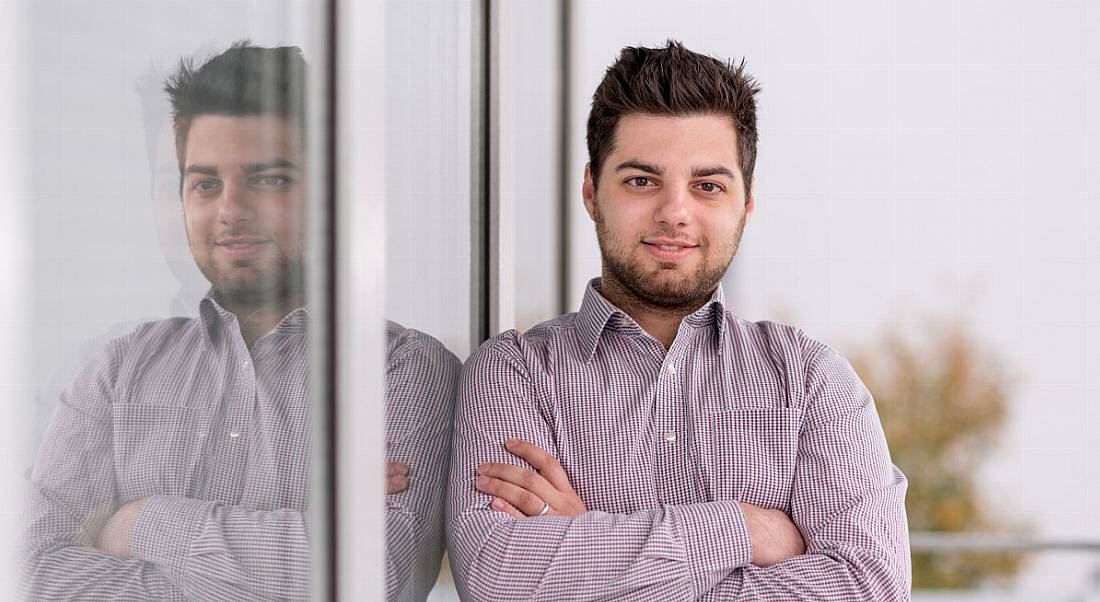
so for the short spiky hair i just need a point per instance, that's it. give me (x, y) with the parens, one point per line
(672, 81)
(244, 80)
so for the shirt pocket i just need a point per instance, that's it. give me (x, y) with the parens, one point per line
(750, 455)
(156, 449)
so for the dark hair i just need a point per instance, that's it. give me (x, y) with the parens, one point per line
(244, 80)
(672, 81)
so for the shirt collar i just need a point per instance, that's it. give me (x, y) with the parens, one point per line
(214, 318)
(597, 313)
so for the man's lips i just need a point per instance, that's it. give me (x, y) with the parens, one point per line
(241, 246)
(669, 249)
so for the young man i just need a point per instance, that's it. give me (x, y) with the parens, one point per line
(653, 446)
(176, 465)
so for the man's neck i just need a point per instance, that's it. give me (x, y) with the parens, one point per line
(256, 320)
(661, 323)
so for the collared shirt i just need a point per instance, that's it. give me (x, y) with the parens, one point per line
(216, 436)
(661, 446)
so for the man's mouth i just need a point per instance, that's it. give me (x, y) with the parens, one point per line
(665, 249)
(240, 247)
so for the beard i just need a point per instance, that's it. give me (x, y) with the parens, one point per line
(666, 287)
(254, 286)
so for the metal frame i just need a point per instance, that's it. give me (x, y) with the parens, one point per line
(484, 122)
(321, 275)
(566, 189)
(355, 321)
(927, 541)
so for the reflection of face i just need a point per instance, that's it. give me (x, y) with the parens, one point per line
(243, 205)
(670, 208)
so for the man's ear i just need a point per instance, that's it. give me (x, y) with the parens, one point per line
(588, 191)
(750, 201)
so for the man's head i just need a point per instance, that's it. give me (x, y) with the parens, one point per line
(672, 146)
(238, 123)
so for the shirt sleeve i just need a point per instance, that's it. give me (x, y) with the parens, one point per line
(421, 378)
(664, 553)
(72, 493)
(847, 499)
(213, 551)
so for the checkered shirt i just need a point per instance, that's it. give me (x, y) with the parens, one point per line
(661, 446)
(216, 436)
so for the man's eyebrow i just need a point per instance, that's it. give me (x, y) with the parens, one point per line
(276, 164)
(206, 170)
(713, 170)
(640, 166)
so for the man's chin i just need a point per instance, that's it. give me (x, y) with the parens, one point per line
(249, 291)
(673, 292)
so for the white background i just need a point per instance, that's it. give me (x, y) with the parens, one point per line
(919, 158)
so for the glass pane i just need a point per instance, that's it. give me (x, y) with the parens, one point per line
(431, 288)
(529, 97)
(166, 191)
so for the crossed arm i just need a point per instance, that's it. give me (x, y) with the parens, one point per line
(546, 491)
(846, 504)
(82, 542)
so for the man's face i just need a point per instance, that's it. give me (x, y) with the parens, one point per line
(670, 207)
(243, 203)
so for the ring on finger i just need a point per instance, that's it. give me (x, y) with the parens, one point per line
(545, 509)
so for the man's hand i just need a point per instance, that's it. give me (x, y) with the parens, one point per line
(774, 536)
(397, 477)
(521, 493)
(114, 537)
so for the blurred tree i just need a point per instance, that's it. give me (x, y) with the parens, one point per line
(943, 400)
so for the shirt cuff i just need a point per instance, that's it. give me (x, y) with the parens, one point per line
(165, 529)
(716, 537)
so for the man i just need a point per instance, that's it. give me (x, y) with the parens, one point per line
(653, 446)
(176, 464)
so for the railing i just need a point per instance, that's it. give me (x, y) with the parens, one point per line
(923, 541)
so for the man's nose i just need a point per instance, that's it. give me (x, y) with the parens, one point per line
(674, 206)
(235, 203)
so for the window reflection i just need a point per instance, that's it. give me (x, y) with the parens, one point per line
(430, 284)
(421, 376)
(175, 464)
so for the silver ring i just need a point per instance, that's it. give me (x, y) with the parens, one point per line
(545, 509)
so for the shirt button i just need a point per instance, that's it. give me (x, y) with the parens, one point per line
(670, 369)
(669, 436)
(233, 434)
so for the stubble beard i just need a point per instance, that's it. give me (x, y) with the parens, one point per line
(266, 286)
(650, 289)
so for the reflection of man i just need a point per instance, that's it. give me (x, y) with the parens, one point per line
(653, 446)
(176, 464)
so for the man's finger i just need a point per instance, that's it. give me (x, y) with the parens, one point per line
(523, 500)
(503, 506)
(396, 484)
(396, 468)
(547, 465)
(522, 477)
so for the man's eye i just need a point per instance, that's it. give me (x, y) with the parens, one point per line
(639, 181)
(271, 181)
(710, 187)
(205, 185)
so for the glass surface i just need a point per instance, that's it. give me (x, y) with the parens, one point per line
(529, 161)
(164, 191)
(430, 288)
